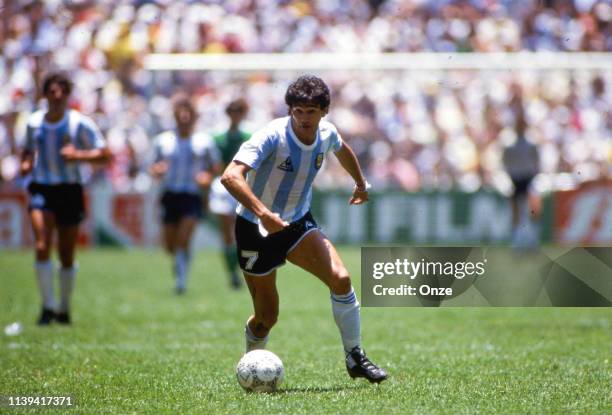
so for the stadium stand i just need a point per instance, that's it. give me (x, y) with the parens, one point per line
(411, 130)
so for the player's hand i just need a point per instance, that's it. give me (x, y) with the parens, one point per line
(158, 169)
(25, 167)
(360, 194)
(359, 197)
(204, 179)
(272, 222)
(69, 152)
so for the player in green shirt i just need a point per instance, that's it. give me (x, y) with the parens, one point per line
(221, 202)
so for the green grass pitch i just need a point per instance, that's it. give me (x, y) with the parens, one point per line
(135, 347)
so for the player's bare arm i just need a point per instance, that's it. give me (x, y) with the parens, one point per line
(234, 180)
(158, 169)
(204, 179)
(95, 155)
(349, 162)
(27, 162)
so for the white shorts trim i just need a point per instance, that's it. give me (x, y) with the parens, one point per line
(263, 274)
(300, 240)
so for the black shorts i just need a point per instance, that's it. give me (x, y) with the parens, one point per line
(65, 201)
(258, 255)
(175, 206)
(521, 185)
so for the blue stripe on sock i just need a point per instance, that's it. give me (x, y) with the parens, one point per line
(343, 296)
(344, 299)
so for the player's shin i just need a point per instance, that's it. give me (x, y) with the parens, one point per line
(345, 308)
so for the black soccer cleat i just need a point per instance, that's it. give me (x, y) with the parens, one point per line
(46, 317)
(63, 318)
(359, 366)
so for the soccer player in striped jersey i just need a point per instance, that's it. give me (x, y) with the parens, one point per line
(271, 176)
(186, 162)
(57, 141)
(221, 202)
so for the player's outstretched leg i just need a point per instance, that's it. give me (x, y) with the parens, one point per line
(181, 269)
(316, 254)
(252, 341)
(231, 264)
(230, 254)
(182, 255)
(66, 278)
(265, 303)
(346, 312)
(43, 224)
(67, 239)
(44, 274)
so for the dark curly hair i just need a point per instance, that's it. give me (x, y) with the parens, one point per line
(308, 90)
(60, 78)
(237, 105)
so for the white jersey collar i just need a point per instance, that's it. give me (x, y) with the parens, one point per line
(57, 124)
(297, 141)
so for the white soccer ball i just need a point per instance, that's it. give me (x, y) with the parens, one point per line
(260, 371)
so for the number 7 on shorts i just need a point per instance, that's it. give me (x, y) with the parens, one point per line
(252, 257)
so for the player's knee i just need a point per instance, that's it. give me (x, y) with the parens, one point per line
(42, 248)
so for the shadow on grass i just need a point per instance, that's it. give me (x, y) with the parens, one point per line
(322, 389)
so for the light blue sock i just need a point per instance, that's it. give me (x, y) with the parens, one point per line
(181, 267)
(66, 279)
(44, 274)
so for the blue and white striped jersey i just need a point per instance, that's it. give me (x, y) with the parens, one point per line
(186, 157)
(284, 167)
(45, 140)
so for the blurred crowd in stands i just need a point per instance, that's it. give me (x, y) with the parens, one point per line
(411, 130)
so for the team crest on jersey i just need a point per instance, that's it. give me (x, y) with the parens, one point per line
(319, 161)
(286, 165)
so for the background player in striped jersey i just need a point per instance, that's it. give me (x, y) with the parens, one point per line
(187, 163)
(221, 202)
(271, 176)
(57, 140)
